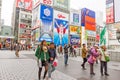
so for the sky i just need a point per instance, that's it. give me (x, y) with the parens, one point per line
(96, 5)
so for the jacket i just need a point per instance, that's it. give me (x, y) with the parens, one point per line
(52, 54)
(84, 53)
(40, 54)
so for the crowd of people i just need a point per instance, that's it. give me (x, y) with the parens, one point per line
(47, 57)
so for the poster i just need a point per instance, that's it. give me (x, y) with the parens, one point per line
(46, 31)
(60, 32)
(74, 39)
(46, 13)
(75, 18)
(64, 4)
(25, 4)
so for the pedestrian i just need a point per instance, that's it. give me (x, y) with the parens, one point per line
(52, 55)
(66, 54)
(17, 49)
(71, 50)
(84, 56)
(43, 58)
(93, 55)
(103, 62)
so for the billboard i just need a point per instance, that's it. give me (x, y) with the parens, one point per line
(75, 18)
(74, 29)
(46, 13)
(24, 4)
(46, 31)
(109, 11)
(60, 32)
(91, 33)
(117, 10)
(86, 12)
(74, 39)
(63, 4)
(90, 23)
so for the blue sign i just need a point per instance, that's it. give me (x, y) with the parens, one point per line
(75, 18)
(74, 39)
(86, 12)
(46, 13)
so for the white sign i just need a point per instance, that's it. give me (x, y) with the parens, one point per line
(117, 10)
(61, 15)
(75, 18)
(91, 33)
(64, 4)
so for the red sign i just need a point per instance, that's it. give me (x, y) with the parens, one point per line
(110, 15)
(24, 4)
(61, 16)
(90, 23)
(48, 2)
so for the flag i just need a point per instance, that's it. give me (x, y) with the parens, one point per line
(102, 36)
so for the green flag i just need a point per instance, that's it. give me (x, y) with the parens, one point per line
(102, 36)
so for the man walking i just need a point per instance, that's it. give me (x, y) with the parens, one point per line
(66, 54)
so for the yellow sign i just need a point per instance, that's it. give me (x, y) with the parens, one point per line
(73, 29)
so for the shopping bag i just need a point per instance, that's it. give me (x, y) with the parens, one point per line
(55, 63)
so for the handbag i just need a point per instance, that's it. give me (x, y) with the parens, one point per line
(55, 63)
(107, 58)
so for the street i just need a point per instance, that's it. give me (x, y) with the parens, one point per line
(25, 68)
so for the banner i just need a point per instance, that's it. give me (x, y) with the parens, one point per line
(86, 12)
(90, 23)
(60, 32)
(24, 4)
(74, 29)
(46, 13)
(117, 10)
(46, 31)
(74, 40)
(75, 18)
(63, 4)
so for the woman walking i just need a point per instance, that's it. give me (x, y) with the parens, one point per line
(93, 55)
(103, 62)
(52, 54)
(43, 58)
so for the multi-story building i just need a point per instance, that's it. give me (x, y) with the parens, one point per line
(0, 13)
(21, 20)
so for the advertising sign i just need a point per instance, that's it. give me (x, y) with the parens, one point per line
(74, 40)
(90, 23)
(60, 32)
(61, 15)
(35, 17)
(25, 4)
(117, 10)
(109, 11)
(46, 13)
(37, 34)
(86, 12)
(75, 18)
(74, 29)
(91, 33)
(63, 4)
(46, 31)
(47, 2)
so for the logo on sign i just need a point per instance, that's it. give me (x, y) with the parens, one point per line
(47, 12)
(47, 2)
(61, 16)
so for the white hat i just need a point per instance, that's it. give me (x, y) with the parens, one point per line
(96, 45)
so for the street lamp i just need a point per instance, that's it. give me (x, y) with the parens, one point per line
(118, 35)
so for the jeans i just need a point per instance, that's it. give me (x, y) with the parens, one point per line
(65, 58)
(51, 68)
(103, 65)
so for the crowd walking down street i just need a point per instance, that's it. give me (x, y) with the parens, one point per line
(61, 65)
